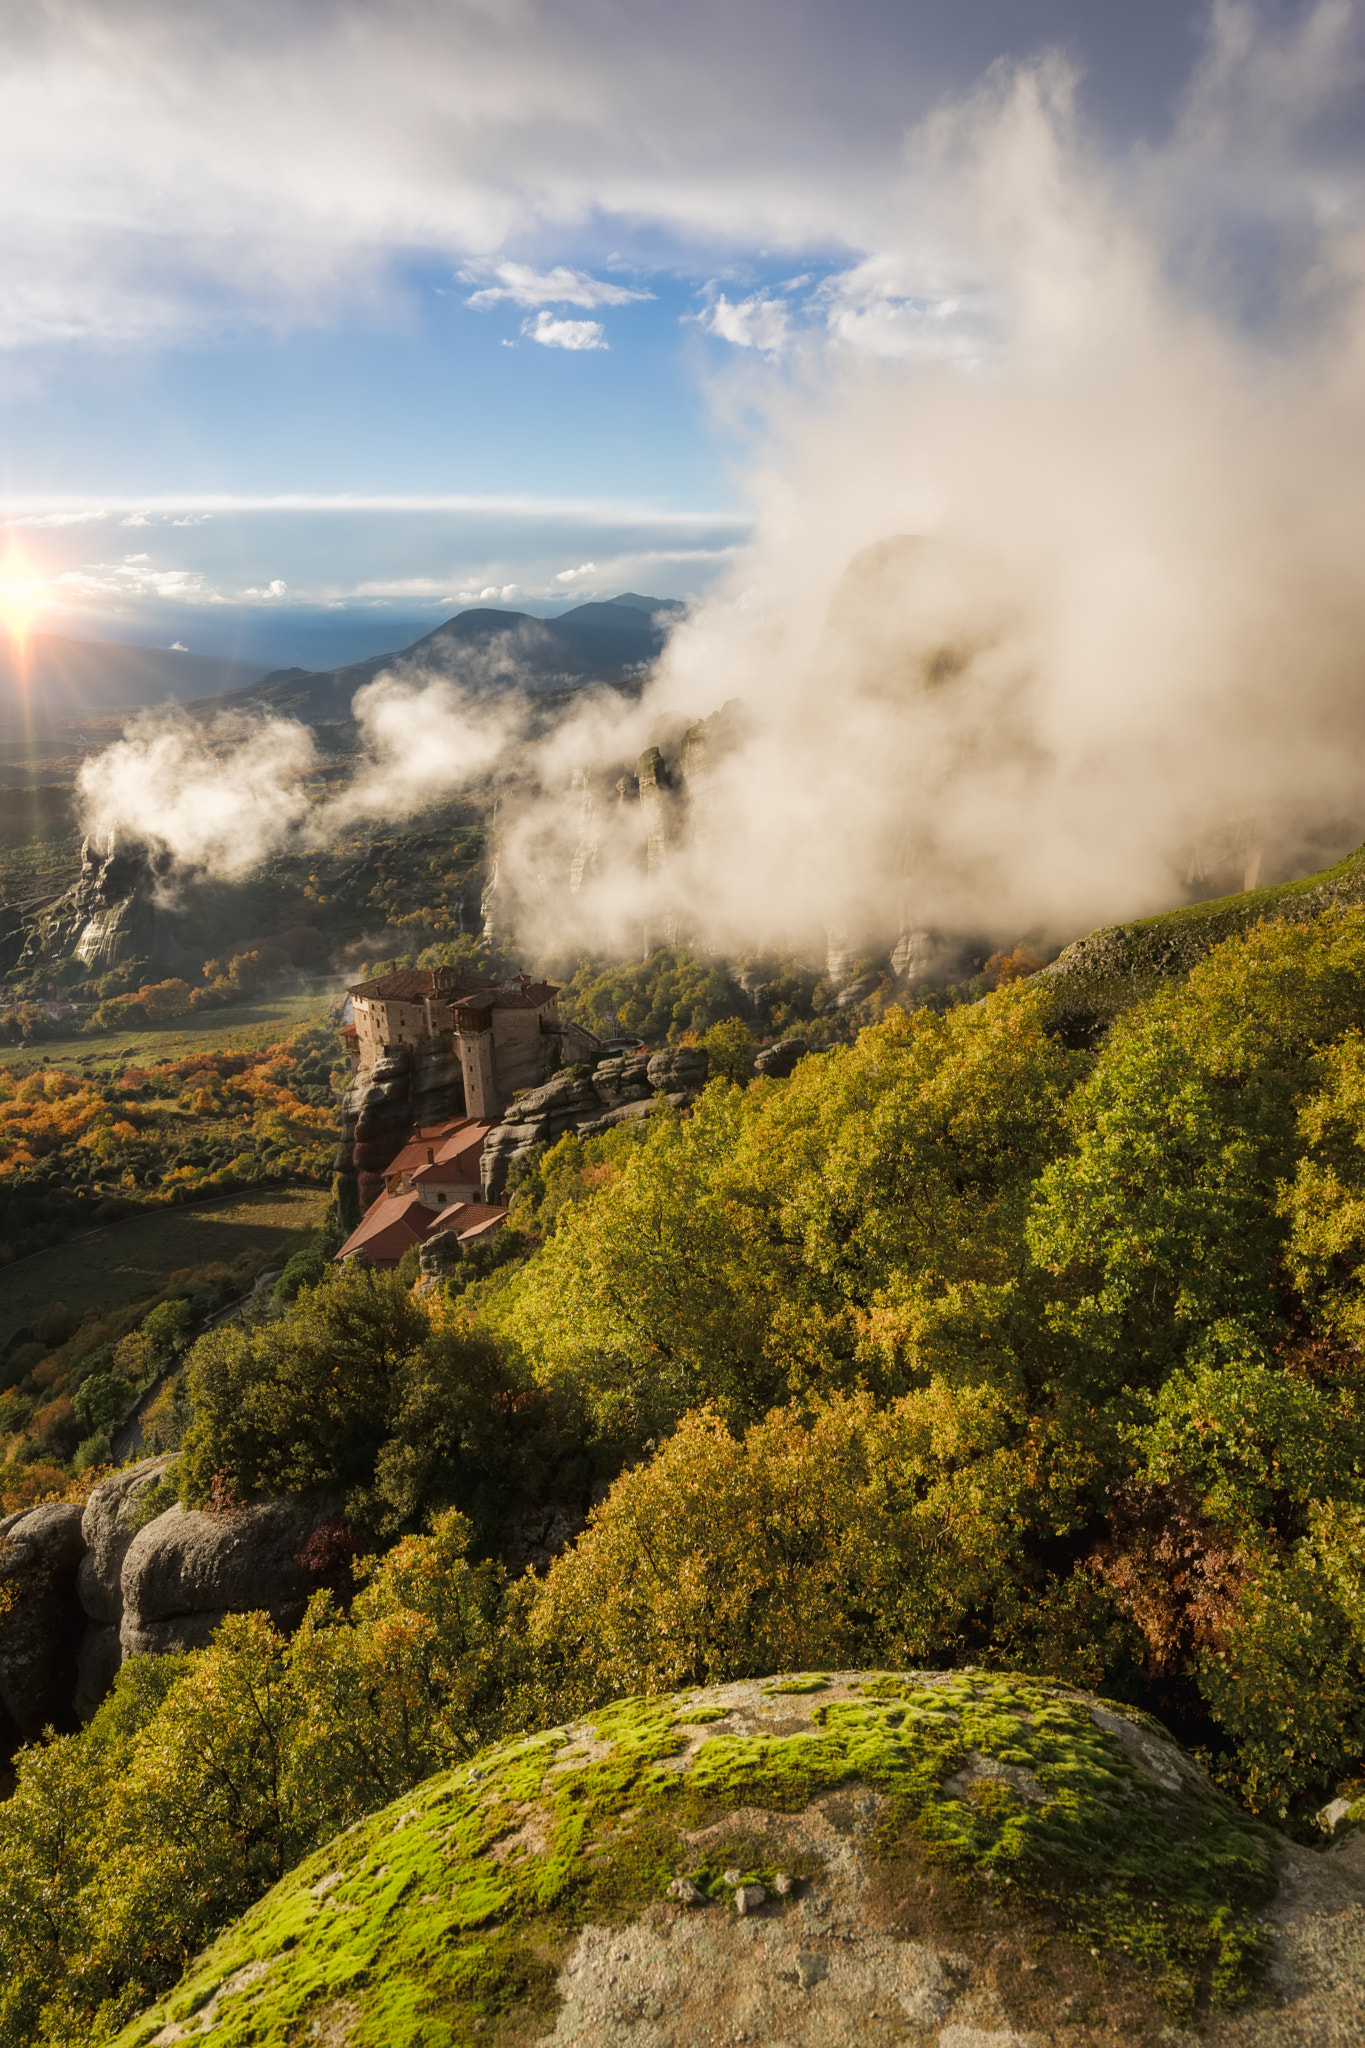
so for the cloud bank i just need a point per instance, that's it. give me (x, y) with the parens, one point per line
(187, 171)
(1022, 642)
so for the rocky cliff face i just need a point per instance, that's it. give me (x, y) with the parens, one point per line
(110, 914)
(40, 1620)
(409, 1085)
(838, 1860)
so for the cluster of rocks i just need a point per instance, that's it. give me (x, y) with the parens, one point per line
(618, 1090)
(779, 1061)
(85, 1588)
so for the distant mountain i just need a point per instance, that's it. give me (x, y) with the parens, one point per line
(49, 676)
(608, 642)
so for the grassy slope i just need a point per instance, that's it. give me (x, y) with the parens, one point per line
(449, 1912)
(240, 1028)
(125, 1262)
(1110, 970)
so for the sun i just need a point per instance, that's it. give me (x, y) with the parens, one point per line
(20, 593)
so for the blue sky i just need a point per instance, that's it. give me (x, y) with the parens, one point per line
(318, 322)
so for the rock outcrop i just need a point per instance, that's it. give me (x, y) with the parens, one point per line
(846, 1860)
(186, 1570)
(40, 1556)
(780, 1061)
(112, 914)
(116, 1510)
(1097, 977)
(410, 1085)
(83, 1589)
(617, 1089)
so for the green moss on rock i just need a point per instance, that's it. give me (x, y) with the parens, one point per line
(1110, 970)
(447, 1915)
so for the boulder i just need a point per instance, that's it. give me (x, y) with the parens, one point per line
(113, 1516)
(186, 1570)
(114, 1513)
(828, 1860)
(780, 1060)
(618, 1081)
(440, 1255)
(566, 1095)
(678, 1069)
(40, 1618)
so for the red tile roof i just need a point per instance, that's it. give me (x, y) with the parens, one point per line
(443, 1170)
(413, 984)
(393, 1224)
(389, 1227)
(522, 994)
(471, 1219)
(434, 1139)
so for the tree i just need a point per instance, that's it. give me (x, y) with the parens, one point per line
(731, 1046)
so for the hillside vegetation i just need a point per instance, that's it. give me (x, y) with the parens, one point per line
(971, 1344)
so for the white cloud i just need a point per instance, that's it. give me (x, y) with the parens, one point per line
(57, 510)
(522, 286)
(572, 575)
(900, 307)
(89, 516)
(756, 322)
(175, 178)
(185, 170)
(573, 334)
(179, 647)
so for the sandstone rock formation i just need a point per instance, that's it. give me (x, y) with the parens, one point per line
(114, 1513)
(780, 1061)
(589, 1103)
(828, 1861)
(111, 914)
(184, 1571)
(40, 1555)
(440, 1255)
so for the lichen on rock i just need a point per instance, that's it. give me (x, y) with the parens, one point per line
(842, 1857)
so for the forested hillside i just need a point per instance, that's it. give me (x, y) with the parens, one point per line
(967, 1345)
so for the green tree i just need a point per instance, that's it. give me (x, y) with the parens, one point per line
(354, 1391)
(731, 1046)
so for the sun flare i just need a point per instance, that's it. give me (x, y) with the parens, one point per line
(20, 594)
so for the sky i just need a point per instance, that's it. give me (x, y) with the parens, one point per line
(319, 322)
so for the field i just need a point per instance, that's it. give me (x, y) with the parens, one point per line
(244, 1027)
(109, 1268)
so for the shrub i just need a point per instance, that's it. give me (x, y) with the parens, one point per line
(354, 1390)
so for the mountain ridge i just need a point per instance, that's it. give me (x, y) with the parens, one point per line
(610, 641)
(61, 677)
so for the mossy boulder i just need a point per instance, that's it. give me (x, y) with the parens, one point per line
(969, 1858)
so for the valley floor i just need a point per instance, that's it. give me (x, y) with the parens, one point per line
(127, 1261)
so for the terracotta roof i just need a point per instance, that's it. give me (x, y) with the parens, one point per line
(462, 1168)
(435, 1139)
(521, 994)
(470, 1219)
(389, 1227)
(412, 984)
